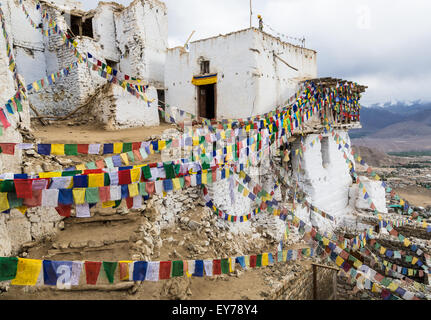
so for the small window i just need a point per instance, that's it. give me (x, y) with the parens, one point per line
(81, 27)
(87, 27)
(205, 67)
(161, 98)
(325, 151)
(112, 64)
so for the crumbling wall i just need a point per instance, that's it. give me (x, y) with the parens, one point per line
(118, 109)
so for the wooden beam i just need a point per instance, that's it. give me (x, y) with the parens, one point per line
(285, 62)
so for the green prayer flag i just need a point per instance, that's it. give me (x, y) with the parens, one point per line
(71, 149)
(127, 147)
(131, 156)
(146, 172)
(107, 179)
(117, 204)
(169, 170)
(8, 268)
(142, 191)
(71, 173)
(177, 268)
(182, 182)
(225, 266)
(110, 268)
(92, 195)
(91, 166)
(7, 186)
(14, 202)
(259, 260)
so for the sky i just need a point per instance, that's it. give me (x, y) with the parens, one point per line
(383, 44)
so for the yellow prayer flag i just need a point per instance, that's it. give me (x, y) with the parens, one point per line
(96, 180)
(125, 158)
(223, 134)
(325, 241)
(176, 183)
(162, 144)
(247, 261)
(79, 195)
(375, 288)
(135, 174)
(231, 265)
(284, 255)
(108, 204)
(264, 259)
(57, 149)
(27, 272)
(204, 178)
(392, 286)
(357, 264)
(80, 167)
(406, 242)
(410, 272)
(382, 250)
(227, 171)
(118, 147)
(4, 202)
(44, 175)
(22, 209)
(339, 261)
(414, 260)
(133, 190)
(245, 192)
(195, 141)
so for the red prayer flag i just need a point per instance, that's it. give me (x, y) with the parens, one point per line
(253, 261)
(24, 188)
(92, 270)
(35, 200)
(3, 119)
(104, 193)
(8, 148)
(216, 266)
(136, 145)
(83, 148)
(187, 181)
(165, 270)
(150, 187)
(100, 164)
(124, 177)
(129, 202)
(137, 155)
(63, 210)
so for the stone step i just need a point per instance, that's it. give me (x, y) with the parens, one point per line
(102, 219)
(108, 252)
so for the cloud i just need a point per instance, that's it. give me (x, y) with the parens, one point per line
(383, 44)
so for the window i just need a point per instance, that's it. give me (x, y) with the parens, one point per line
(205, 67)
(325, 151)
(81, 26)
(112, 64)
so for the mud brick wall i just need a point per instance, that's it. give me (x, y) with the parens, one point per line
(299, 286)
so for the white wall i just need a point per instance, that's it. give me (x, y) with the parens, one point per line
(104, 30)
(277, 82)
(326, 187)
(142, 30)
(250, 82)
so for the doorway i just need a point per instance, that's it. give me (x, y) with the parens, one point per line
(207, 101)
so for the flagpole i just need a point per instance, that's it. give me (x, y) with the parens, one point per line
(251, 13)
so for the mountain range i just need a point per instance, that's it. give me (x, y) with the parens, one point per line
(395, 127)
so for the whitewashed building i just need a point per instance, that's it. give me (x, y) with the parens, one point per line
(132, 40)
(237, 75)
